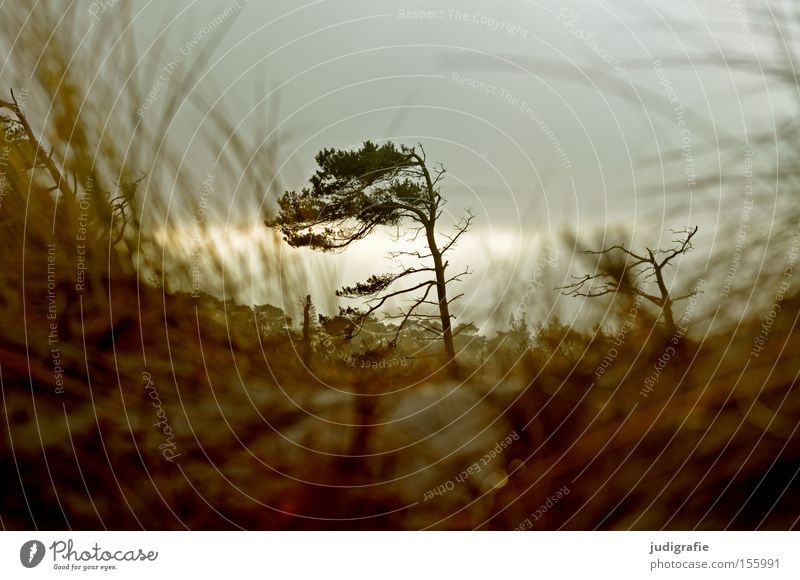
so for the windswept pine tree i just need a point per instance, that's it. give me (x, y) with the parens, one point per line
(356, 191)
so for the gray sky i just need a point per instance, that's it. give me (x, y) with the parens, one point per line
(542, 112)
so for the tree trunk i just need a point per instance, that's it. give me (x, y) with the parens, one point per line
(666, 301)
(307, 330)
(669, 319)
(444, 307)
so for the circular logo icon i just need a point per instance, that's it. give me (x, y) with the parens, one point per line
(31, 553)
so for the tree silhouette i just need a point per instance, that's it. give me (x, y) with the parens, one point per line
(630, 274)
(308, 321)
(356, 191)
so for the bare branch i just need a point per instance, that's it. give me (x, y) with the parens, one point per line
(629, 276)
(411, 311)
(577, 288)
(461, 227)
(458, 276)
(619, 247)
(455, 298)
(684, 244)
(438, 333)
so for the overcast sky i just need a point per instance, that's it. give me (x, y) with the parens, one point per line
(547, 115)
